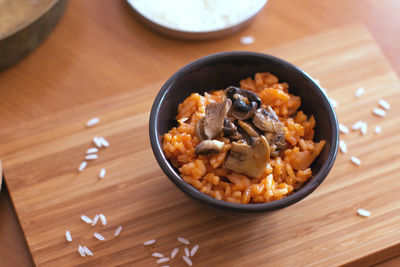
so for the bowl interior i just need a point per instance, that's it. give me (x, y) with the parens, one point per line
(219, 71)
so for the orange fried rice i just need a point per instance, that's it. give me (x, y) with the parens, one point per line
(283, 175)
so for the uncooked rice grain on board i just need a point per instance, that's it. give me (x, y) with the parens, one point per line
(187, 260)
(356, 161)
(102, 173)
(183, 240)
(86, 219)
(118, 231)
(157, 255)
(194, 250)
(379, 112)
(92, 122)
(81, 251)
(364, 213)
(384, 104)
(68, 236)
(149, 242)
(174, 252)
(91, 157)
(103, 219)
(92, 150)
(87, 251)
(342, 146)
(162, 260)
(82, 166)
(99, 237)
(187, 252)
(95, 220)
(360, 91)
(343, 129)
(246, 40)
(378, 129)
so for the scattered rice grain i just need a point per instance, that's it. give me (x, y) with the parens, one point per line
(187, 252)
(102, 173)
(118, 231)
(157, 255)
(364, 128)
(174, 252)
(183, 240)
(92, 122)
(379, 112)
(97, 142)
(356, 160)
(343, 129)
(149, 242)
(82, 166)
(187, 260)
(364, 213)
(87, 251)
(384, 104)
(99, 237)
(357, 125)
(360, 91)
(92, 150)
(343, 146)
(247, 40)
(333, 102)
(103, 219)
(81, 251)
(68, 236)
(95, 220)
(104, 142)
(91, 157)
(194, 250)
(86, 219)
(162, 260)
(378, 129)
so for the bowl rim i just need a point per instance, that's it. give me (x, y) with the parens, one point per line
(173, 176)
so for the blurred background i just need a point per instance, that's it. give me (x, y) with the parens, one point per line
(56, 55)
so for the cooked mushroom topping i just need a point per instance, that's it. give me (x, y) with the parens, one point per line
(267, 121)
(249, 160)
(244, 102)
(229, 128)
(199, 130)
(209, 146)
(248, 129)
(214, 119)
(252, 97)
(231, 91)
(241, 111)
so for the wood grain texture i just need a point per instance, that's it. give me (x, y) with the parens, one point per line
(40, 159)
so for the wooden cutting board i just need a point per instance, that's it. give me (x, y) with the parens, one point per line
(40, 162)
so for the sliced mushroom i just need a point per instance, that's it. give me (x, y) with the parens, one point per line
(232, 93)
(267, 121)
(248, 129)
(241, 111)
(252, 97)
(229, 128)
(249, 160)
(209, 146)
(199, 130)
(214, 119)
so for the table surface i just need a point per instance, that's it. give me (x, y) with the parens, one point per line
(96, 43)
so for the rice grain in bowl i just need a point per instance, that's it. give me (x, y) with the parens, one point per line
(204, 176)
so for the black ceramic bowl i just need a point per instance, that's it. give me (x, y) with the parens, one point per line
(221, 70)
